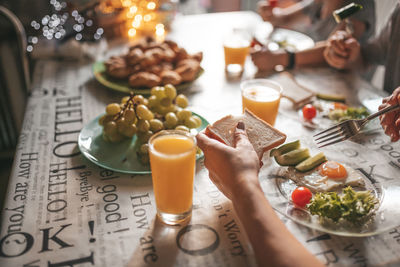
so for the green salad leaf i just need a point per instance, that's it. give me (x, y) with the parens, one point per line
(357, 113)
(351, 205)
(348, 114)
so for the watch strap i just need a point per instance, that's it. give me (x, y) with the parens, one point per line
(291, 60)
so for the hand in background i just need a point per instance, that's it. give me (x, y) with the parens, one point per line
(343, 51)
(391, 121)
(265, 60)
(269, 13)
(230, 168)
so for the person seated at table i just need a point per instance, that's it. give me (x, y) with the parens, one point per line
(318, 17)
(363, 23)
(283, 16)
(345, 52)
(391, 121)
(234, 170)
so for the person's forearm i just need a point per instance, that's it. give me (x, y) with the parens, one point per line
(288, 17)
(307, 58)
(296, 9)
(273, 244)
(311, 57)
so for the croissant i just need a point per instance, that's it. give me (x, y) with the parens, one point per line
(134, 56)
(172, 45)
(188, 61)
(155, 69)
(169, 55)
(150, 63)
(116, 67)
(148, 60)
(188, 72)
(144, 79)
(135, 69)
(167, 66)
(197, 56)
(158, 53)
(170, 76)
(181, 55)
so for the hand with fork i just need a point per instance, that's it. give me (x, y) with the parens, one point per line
(391, 121)
(388, 113)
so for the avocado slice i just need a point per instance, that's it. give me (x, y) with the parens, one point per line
(285, 148)
(293, 157)
(331, 97)
(311, 163)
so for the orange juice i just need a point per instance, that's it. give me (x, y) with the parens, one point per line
(172, 160)
(236, 49)
(262, 99)
(235, 55)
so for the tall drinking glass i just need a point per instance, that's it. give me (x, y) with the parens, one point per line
(172, 161)
(236, 49)
(262, 97)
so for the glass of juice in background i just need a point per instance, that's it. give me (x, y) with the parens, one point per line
(262, 97)
(236, 49)
(172, 161)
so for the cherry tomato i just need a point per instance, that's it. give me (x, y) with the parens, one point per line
(301, 196)
(338, 105)
(273, 3)
(309, 112)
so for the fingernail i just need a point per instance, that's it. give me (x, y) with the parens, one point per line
(240, 125)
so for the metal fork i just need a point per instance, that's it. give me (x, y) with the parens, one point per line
(347, 129)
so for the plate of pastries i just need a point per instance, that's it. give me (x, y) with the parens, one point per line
(149, 63)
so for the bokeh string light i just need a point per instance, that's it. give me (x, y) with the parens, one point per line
(53, 26)
(139, 18)
(145, 18)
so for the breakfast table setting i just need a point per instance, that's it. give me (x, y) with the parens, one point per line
(69, 204)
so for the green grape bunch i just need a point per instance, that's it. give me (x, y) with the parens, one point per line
(120, 120)
(143, 117)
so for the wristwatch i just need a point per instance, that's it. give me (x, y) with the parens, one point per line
(291, 59)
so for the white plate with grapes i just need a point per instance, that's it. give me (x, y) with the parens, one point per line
(117, 140)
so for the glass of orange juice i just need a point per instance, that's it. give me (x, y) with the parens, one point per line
(236, 49)
(172, 161)
(262, 97)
